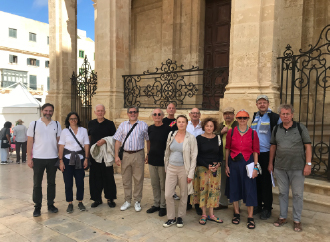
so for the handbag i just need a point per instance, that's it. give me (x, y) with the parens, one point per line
(121, 150)
(89, 164)
(4, 142)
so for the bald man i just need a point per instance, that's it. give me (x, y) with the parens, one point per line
(101, 176)
(170, 119)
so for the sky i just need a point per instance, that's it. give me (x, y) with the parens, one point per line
(38, 10)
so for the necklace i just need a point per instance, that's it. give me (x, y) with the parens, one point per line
(247, 128)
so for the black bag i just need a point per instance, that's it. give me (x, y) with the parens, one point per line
(4, 142)
(121, 150)
(89, 163)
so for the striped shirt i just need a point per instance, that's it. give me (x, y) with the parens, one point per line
(135, 140)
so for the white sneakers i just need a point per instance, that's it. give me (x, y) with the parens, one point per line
(126, 205)
(137, 206)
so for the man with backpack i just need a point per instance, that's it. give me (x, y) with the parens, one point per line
(292, 145)
(43, 136)
(263, 122)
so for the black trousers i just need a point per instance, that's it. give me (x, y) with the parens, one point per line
(264, 183)
(69, 173)
(39, 166)
(101, 178)
(18, 150)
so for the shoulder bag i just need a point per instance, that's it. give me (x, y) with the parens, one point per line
(121, 150)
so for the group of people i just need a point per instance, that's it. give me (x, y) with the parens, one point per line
(213, 164)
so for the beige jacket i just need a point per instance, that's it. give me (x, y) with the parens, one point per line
(190, 151)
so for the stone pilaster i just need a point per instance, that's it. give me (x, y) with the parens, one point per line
(62, 54)
(112, 35)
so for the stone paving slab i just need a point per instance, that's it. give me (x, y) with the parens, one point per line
(110, 224)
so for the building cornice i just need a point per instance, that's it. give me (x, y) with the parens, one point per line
(24, 52)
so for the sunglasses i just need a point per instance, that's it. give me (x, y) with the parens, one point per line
(244, 118)
(132, 112)
(155, 114)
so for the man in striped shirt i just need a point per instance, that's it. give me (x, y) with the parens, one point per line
(132, 164)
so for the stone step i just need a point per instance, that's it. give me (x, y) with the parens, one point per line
(320, 187)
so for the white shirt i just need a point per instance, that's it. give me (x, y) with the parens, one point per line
(45, 142)
(70, 143)
(195, 130)
(20, 133)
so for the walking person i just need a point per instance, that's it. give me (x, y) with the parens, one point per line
(157, 133)
(101, 177)
(242, 148)
(5, 142)
(263, 122)
(20, 135)
(180, 163)
(130, 136)
(73, 156)
(291, 147)
(207, 175)
(43, 136)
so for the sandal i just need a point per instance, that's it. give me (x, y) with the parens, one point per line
(236, 218)
(280, 222)
(297, 227)
(203, 220)
(215, 219)
(250, 223)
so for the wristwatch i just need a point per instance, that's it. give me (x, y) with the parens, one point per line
(309, 163)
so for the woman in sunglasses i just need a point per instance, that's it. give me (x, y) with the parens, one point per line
(180, 163)
(242, 148)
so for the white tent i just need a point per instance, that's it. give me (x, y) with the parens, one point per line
(19, 104)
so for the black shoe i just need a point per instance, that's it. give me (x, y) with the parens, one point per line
(189, 206)
(179, 222)
(111, 203)
(153, 209)
(23, 161)
(37, 212)
(265, 214)
(162, 212)
(257, 210)
(81, 206)
(70, 208)
(198, 211)
(169, 223)
(52, 208)
(17, 162)
(95, 204)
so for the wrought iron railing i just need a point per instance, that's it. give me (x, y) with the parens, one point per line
(305, 84)
(172, 83)
(83, 87)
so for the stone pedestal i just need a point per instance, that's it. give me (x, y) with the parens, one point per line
(62, 54)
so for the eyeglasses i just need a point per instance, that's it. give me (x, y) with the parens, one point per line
(73, 119)
(132, 112)
(195, 113)
(155, 114)
(240, 118)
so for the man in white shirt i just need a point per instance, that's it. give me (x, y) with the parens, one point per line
(43, 136)
(20, 140)
(195, 128)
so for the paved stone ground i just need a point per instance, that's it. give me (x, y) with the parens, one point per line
(111, 224)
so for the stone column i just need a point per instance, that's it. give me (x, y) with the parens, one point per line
(62, 54)
(112, 35)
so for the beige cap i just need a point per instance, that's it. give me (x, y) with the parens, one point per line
(228, 110)
(262, 97)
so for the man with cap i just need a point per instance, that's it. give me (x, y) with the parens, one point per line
(263, 122)
(228, 123)
(20, 140)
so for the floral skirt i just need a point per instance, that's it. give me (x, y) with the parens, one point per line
(206, 188)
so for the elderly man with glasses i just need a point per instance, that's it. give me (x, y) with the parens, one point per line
(131, 135)
(158, 133)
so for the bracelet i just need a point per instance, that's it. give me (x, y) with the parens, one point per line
(256, 169)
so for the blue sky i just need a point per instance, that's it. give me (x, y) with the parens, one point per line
(38, 10)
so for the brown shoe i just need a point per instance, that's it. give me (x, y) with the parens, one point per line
(297, 227)
(221, 207)
(280, 222)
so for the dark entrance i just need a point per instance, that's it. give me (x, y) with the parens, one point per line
(216, 48)
(83, 87)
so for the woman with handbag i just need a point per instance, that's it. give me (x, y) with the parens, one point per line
(73, 156)
(207, 174)
(179, 163)
(5, 142)
(242, 149)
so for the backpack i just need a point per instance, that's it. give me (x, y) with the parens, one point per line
(34, 129)
(298, 126)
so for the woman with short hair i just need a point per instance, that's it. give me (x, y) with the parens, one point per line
(73, 156)
(5, 142)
